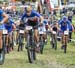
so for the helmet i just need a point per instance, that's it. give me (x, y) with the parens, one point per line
(64, 18)
(28, 8)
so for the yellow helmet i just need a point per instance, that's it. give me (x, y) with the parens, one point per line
(28, 9)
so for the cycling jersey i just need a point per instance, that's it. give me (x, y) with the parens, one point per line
(64, 25)
(1, 18)
(9, 25)
(33, 14)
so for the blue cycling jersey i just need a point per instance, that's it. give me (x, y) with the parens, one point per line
(33, 14)
(65, 25)
(1, 18)
(9, 25)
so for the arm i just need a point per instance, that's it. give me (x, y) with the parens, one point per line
(24, 15)
(38, 15)
(41, 18)
(5, 17)
(20, 20)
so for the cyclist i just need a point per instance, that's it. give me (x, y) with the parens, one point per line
(55, 27)
(3, 19)
(44, 28)
(30, 13)
(64, 26)
(70, 16)
(9, 26)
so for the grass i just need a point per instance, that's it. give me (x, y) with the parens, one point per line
(50, 58)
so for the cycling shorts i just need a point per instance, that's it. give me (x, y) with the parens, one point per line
(33, 24)
(21, 26)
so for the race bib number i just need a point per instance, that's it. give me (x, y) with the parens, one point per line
(28, 27)
(41, 31)
(54, 32)
(21, 31)
(66, 32)
(5, 32)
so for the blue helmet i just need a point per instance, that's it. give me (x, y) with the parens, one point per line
(64, 18)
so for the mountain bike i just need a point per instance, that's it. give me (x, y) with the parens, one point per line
(30, 44)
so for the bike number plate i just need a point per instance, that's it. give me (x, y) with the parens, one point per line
(66, 32)
(21, 31)
(54, 32)
(28, 27)
(41, 31)
(5, 32)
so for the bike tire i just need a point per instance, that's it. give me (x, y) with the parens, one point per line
(34, 55)
(20, 46)
(41, 46)
(65, 48)
(30, 55)
(3, 55)
(55, 44)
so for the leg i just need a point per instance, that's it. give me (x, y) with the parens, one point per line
(36, 36)
(1, 41)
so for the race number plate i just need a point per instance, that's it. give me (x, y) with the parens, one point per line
(41, 31)
(28, 27)
(66, 32)
(21, 31)
(5, 32)
(54, 32)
